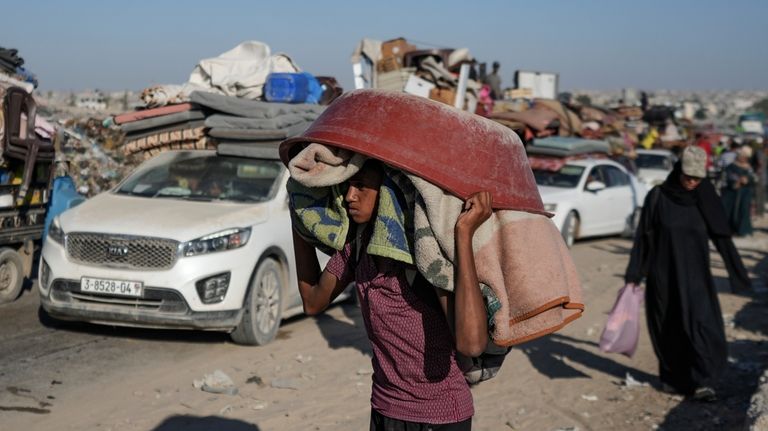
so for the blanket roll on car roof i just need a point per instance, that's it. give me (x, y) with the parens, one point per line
(151, 113)
(458, 151)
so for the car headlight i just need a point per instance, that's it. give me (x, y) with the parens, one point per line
(550, 207)
(220, 241)
(55, 232)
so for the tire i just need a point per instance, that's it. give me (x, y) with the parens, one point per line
(570, 228)
(11, 275)
(262, 306)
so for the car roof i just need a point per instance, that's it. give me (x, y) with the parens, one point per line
(588, 163)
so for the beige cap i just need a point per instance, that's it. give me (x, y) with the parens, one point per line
(694, 161)
(745, 151)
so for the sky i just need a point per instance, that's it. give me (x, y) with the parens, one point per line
(596, 45)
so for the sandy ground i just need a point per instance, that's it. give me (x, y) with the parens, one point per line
(316, 375)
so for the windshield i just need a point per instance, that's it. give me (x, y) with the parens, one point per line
(653, 161)
(205, 176)
(568, 176)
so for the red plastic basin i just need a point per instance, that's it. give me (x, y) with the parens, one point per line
(460, 152)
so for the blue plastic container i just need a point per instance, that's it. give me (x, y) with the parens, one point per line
(292, 88)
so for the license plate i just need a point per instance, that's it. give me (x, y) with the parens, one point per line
(111, 287)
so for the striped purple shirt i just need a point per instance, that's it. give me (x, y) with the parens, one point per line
(415, 374)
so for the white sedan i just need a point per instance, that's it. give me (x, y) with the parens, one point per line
(590, 197)
(653, 166)
(191, 239)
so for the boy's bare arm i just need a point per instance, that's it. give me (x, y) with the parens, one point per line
(317, 288)
(465, 308)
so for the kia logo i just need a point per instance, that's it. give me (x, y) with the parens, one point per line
(117, 250)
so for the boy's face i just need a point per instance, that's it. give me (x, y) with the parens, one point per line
(363, 194)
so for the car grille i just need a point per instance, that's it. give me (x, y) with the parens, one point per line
(122, 251)
(154, 299)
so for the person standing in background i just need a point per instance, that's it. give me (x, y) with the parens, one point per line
(671, 252)
(739, 189)
(494, 81)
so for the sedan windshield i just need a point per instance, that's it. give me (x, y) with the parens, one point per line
(204, 176)
(653, 161)
(568, 176)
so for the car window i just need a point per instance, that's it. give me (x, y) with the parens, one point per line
(653, 161)
(596, 174)
(567, 177)
(615, 177)
(204, 176)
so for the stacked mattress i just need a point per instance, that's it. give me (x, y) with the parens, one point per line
(211, 120)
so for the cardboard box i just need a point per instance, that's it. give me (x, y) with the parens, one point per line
(396, 48)
(394, 80)
(388, 64)
(418, 86)
(445, 95)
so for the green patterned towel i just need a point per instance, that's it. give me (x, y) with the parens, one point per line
(320, 216)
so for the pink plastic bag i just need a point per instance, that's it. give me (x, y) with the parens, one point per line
(623, 326)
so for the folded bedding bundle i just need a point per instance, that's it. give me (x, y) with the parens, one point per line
(177, 118)
(280, 122)
(528, 280)
(197, 124)
(250, 108)
(247, 134)
(435, 158)
(142, 114)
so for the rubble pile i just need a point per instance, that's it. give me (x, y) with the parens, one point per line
(89, 150)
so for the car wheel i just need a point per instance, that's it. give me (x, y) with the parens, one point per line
(11, 275)
(570, 228)
(262, 307)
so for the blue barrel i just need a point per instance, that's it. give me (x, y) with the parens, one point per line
(292, 88)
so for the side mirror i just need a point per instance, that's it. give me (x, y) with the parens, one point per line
(595, 186)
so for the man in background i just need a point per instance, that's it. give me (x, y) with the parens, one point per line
(494, 81)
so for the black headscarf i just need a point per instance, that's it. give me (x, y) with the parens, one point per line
(704, 197)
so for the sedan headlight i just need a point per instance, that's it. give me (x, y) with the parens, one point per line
(220, 241)
(55, 232)
(550, 207)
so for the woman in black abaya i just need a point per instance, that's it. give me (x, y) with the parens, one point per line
(671, 251)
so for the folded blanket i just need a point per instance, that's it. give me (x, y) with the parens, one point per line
(142, 114)
(520, 256)
(197, 124)
(248, 134)
(259, 134)
(160, 121)
(280, 122)
(527, 278)
(250, 108)
(253, 150)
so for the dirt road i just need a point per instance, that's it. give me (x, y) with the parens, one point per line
(316, 376)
